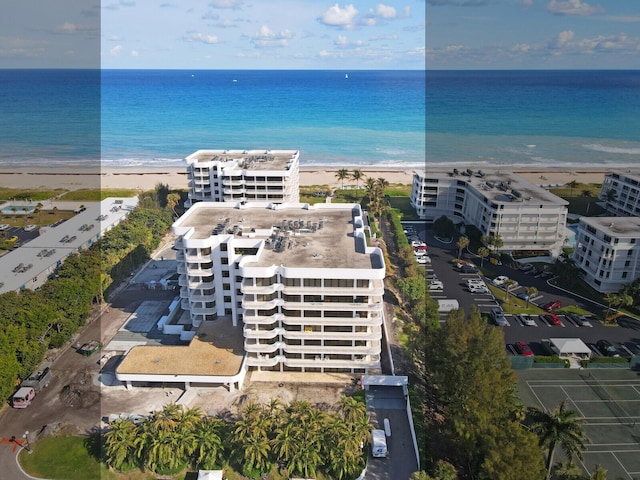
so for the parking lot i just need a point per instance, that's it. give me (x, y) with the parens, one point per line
(625, 337)
(24, 235)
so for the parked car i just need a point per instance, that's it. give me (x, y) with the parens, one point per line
(436, 286)
(4, 226)
(469, 269)
(552, 319)
(499, 280)
(498, 317)
(526, 320)
(475, 288)
(30, 227)
(578, 319)
(423, 259)
(526, 267)
(607, 348)
(553, 305)
(523, 349)
(523, 295)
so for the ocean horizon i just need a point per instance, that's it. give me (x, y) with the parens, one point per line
(122, 118)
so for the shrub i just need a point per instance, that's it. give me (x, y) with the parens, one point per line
(548, 359)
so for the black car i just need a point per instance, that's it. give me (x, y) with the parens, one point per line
(607, 348)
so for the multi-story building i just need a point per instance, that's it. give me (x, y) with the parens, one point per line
(419, 190)
(524, 215)
(243, 175)
(621, 193)
(299, 280)
(607, 251)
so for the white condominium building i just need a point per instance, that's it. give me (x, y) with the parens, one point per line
(621, 193)
(243, 175)
(419, 193)
(607, 251)
(299, 280)
(525, 216)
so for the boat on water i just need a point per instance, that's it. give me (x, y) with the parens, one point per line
(346, 75)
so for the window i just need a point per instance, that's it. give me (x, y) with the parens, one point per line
(312, 282)
(227, 299)
(226, 286)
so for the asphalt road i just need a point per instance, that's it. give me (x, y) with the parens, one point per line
(624, 338)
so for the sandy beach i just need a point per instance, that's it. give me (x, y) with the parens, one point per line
(140, 178)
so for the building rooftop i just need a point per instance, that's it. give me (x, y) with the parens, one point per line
(615, 226)
(55, 243)
(247, 159)
(502, 187)
(295, 235)
(633, 175)
(216, 350)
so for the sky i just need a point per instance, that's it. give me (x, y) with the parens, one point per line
(214, 34)
(533, 34)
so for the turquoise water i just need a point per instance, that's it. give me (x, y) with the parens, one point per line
(158, 117)
(18, 210)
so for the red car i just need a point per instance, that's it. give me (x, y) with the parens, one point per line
(523, 349)
(552, 305)
(552, 319)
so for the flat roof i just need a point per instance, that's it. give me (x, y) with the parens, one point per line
(630, 174)
(615, 226)
(216, 350)
(247, 159)
(501, 187)
(320, 236)
(46, 250)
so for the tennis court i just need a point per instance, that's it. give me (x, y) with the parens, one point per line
(609, 401)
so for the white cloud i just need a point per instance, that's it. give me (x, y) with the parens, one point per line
(564, 38)
(134, 53)
(339, 17)
(343, 42)
(572, 7)
(66, 28)
(202, 37)
(385, 11)
(266, 38)
(115, 51)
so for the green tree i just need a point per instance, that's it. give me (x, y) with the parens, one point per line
(341, 175)
(462, 243)
(531, 292)
(483, 252)
(572, 184)
(208, 450)
(507, 286)
(120, 442)
(560, 427)
(357, 175)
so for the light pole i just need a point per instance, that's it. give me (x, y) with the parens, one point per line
(26, 438)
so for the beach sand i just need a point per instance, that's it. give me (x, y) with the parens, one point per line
(140, 178)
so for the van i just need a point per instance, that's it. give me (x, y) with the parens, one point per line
(378, 444)
(22, 398)
(447, 305)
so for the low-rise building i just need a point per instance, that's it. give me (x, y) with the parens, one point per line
(607, 251)
(299, 280)
(243, 175)
(621, 193)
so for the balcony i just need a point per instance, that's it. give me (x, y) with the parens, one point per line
(332, 321)
(298, 335)
(251, 333)
(363, 307)
(372, 362)
(372, 349)
(262, 320)
(262, 305)
(252, 347)
(262, 360)
(247, 287)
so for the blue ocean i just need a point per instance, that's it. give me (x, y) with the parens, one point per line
(156, 118)
(533, 118)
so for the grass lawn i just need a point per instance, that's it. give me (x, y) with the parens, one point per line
(42, 217)
(97, 195)
(36, 195)
(403, 204)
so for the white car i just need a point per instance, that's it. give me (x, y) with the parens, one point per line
(418, 243)
(526, 320)
(499, 281)
(436, 286)
(29, 228)
(4, 226)
(475, 281)
(423, 260)
(478, 288)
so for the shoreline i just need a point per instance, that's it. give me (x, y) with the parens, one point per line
(146, 178)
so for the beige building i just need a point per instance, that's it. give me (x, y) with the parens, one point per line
(299, 280)
(243, 175)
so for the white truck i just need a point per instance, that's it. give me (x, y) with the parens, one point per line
(378, 444)
(447, 305)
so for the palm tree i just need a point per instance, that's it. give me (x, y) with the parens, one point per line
(483, 252)
(462, 243)
(559, 427)
(207, 452)
(120, 443)
(531, 292)
(342, 174)
(370, 186)
(507, 284)
(572, 184)
(357, 175)
(382, 184)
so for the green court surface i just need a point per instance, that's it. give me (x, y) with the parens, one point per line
(609, 401)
